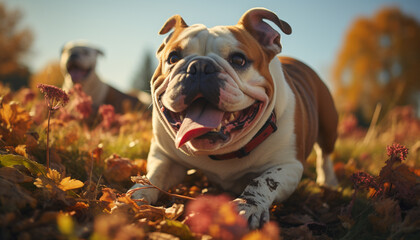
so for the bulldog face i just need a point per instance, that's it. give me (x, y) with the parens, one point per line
(79, 60)
(213, 86)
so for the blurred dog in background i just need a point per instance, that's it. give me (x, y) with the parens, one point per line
(78, 62)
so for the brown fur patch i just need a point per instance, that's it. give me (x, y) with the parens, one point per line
(316, 118)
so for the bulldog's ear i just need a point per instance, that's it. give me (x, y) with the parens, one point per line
(100, 52)
(175, 21)
(62, 49)
(253, 22)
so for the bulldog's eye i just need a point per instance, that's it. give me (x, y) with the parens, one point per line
(174, 57)
(238, 60)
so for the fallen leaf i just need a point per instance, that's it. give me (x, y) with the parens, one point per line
(7, 218)
(296, 219)
(14, 123)
(387, 212)
(65, 224)
(175, 211)
(118, 169)
(115, 226)
(21, 150)
(78, 209)
(68, 184)
(14, 175)
(9, 160)
(55, 178)
(301, 233)
(270, 231)
(108, 195)
(154, 215)
(176, 228)
(13, 197)
(161, 236)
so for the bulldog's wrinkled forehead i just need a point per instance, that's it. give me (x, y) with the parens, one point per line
(78, 46)
(200, 40)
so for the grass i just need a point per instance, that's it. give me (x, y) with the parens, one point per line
(104, 156)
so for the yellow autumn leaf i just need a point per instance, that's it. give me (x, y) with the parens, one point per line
(64, 184)
(68, 184)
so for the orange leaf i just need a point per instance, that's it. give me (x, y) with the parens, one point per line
(14, 123)
(108, 195)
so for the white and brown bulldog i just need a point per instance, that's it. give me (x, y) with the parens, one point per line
(78, 62)
(225, 104)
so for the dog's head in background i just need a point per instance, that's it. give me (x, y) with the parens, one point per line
(78, 60)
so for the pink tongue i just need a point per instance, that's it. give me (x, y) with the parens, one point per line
(201, 118)
(77, 75)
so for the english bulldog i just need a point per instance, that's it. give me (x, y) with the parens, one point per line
(78, 63)
(224, 103)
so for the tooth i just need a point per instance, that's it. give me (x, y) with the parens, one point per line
(232, 117)
(218, 127)
(181, 117)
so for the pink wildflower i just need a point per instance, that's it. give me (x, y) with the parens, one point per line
(362, 180)
(28, 95)
(215, 216)
(83, 102)
(400, 152)
(54, 96)
(108, 115)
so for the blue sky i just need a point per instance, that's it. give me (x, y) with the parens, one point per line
(126, 29)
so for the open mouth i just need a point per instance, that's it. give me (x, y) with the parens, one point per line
(203, 121)
(77, 73)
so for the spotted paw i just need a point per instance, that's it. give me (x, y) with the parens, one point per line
(256, 214)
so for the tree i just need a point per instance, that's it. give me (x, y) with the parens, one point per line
(141, 80)
(50, 74)
(14, 44)
(379, 62)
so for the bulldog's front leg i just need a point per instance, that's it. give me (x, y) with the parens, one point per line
(161, 172)
(275, 184)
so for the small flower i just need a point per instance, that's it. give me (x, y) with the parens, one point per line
(362, 180)
(398, 151)
(216, 216)
(83, 102)
(108, 115)
(28, 96)
(54, 96)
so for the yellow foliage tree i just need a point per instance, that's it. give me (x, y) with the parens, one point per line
(14, 43)
(379, 62)
(50, 74)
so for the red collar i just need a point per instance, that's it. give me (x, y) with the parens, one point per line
(266, 130)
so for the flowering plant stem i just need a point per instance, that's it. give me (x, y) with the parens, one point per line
(48, 140)
(55, 98)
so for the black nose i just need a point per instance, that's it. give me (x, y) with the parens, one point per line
(203, 66)
(74, 55)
